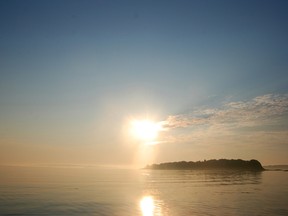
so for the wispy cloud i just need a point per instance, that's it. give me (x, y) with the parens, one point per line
(259, 111)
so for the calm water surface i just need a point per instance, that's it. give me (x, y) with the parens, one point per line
(120, 192)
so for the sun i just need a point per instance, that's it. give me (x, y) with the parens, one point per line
(145, 130)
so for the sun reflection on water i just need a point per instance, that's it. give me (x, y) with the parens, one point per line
(147, 206)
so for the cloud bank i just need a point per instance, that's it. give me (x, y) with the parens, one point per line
(262, 111)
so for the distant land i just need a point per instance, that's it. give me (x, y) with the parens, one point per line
(221, 164)
(277, 168)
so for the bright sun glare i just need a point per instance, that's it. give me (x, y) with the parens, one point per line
(145, 130)
(147, 206)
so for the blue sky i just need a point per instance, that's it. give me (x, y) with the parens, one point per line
(73, 72)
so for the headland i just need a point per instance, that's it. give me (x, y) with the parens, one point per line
(221, 164)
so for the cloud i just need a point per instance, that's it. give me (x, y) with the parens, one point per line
(262, 110)
(182, 121)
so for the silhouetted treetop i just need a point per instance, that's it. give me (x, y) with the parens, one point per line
(252, 165)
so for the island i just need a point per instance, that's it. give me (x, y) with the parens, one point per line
(221, 164)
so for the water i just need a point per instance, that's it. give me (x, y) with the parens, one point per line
(120, 192)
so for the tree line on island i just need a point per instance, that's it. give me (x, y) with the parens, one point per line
(221, 164)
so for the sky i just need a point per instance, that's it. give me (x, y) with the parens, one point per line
(74, 74)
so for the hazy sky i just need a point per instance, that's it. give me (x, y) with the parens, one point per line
(74, 73)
